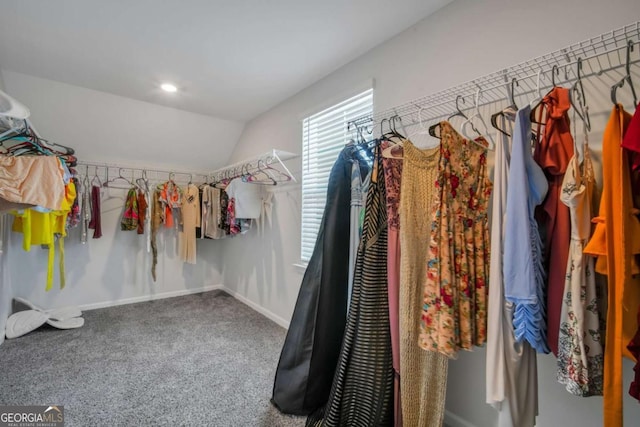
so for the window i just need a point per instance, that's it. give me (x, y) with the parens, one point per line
(324, 135)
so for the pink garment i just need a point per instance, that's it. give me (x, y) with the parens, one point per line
(33, 180)
(392, 176)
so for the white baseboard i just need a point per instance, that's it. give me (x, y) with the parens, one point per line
(452, 420)
(266, 313)
(152, 297)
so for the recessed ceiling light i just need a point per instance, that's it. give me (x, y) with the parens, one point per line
(168, 87)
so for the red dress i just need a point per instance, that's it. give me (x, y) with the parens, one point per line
(553, 152)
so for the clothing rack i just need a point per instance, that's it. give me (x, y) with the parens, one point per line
(599, 55)
(254, 164)
(106, 171)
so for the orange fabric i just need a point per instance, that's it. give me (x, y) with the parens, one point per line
(615, 241)
(553, 153)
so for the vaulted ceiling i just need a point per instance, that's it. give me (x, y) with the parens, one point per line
(229, 59)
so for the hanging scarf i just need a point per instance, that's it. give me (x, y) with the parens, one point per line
(130, 217)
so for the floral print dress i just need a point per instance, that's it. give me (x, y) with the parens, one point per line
(580, 352)
(454, 314)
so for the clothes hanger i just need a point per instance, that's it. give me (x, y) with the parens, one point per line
(578, 99)
(97, 178)
(469, 122)
(143, 182)
(555, 71)
(109, 183)
(513, 105)
(626, 78)
(434, 128)
(538, 93)
(389, 151)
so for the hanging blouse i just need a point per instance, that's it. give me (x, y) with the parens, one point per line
(522, 261)
(615, 241)
(171, 198)
(454, 314)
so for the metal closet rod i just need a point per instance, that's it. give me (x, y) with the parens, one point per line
(141, 171)
(240, 169)
(599, 55)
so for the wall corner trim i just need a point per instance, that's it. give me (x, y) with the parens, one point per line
(257, 307)
(453, 420)
(151, 297)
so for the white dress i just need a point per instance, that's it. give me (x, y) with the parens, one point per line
(580, 352)
(511, 371)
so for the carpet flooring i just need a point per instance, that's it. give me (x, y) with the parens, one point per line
(198, 360)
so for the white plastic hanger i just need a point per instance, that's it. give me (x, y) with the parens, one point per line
(9, 107)
(537, 96)
(469, 122)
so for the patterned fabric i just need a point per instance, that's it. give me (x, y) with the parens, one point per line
(142, 212)
(234, 225)
(455, 294)
(224, 206)
(74, 217)
(130, 216)
(362, 390)
(157, 218)
(393, 180)
(580, 352)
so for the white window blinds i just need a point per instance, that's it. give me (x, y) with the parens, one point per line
(324, 135)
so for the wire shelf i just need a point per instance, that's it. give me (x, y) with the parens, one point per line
(600, 54)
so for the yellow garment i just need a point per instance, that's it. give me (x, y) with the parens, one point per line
(423, 374)
(615, 241)
(40, 228)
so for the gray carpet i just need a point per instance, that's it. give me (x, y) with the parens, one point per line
(198, 360)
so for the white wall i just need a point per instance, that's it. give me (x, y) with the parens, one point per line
(108, 128)
(462, 41)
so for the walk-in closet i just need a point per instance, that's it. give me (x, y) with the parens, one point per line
(339, 213)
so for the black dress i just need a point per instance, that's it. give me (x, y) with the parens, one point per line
(362, 391)
(310, 352)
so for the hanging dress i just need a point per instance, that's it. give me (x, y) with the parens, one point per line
(454, 314)
(522, 266)
(310, 352)
(511, 369)
(362, 390)
(190, 216)
(631, 143)
(580, 352)
(615, 241)
(423, 373)
(393, 179)
(553, 152)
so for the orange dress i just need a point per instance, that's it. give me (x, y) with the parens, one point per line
(615, 241)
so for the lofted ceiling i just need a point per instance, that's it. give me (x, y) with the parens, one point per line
(229, 59)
